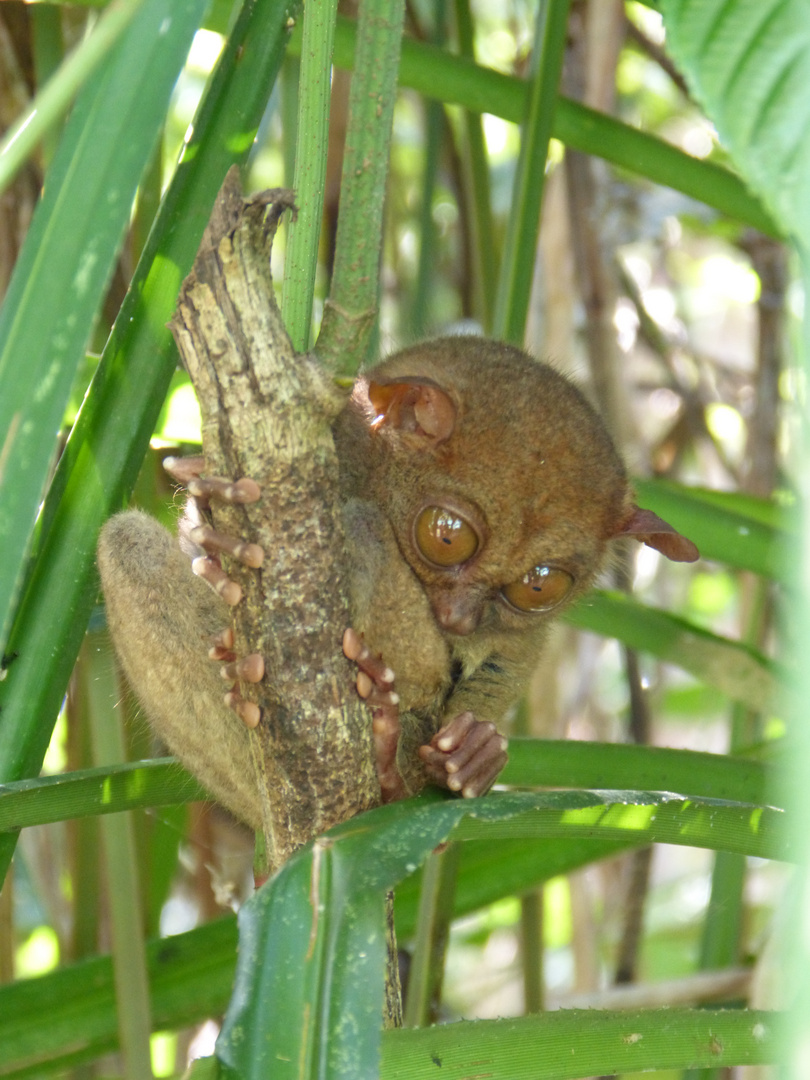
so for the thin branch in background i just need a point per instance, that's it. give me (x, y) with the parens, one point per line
(597, 49)
(657, 54)
(515, 281)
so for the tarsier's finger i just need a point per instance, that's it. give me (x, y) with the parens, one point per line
(454, 734)
(385, 728)
(477, 754)
(215, 542)
(379, 675)
(222, 645)
(375, 684)
(248, 711)
(212, 572)
(229, 491)
(184, 469)
(250, 668)
(478, 775)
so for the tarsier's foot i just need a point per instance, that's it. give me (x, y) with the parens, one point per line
(203, 489)
(375, 684)
(466, 755)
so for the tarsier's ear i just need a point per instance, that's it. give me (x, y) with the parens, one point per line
(416, 406)
(652, 530)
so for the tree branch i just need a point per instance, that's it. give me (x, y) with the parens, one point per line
(266, 414)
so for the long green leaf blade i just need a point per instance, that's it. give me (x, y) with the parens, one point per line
(736, 669)
(103, 790)
(67, 258)
(458, 81)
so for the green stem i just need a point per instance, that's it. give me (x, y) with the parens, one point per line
(517, 270)
(457, 81)
(487, 258)
(303, 234)
(432, 930)
(123, 888)
(351, 309)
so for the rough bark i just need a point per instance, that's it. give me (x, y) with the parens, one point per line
(266, 414)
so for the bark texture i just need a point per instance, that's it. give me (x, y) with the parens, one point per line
(266, 414)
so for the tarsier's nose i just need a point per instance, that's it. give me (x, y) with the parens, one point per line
(457, 612)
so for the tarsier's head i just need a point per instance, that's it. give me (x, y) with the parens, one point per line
(501, 483)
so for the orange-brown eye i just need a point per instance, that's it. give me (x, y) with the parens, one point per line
(445, 538)
(540, 590)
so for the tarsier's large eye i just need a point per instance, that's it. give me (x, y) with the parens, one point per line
(444, 538)
(540, 590)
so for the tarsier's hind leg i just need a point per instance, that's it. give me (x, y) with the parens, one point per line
(164, 621)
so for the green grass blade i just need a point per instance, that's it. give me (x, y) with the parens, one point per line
(123, 889)
(88, 792)
(637, 816)
(102, 458)
(731, 666)
(60, 276)
(517, 267)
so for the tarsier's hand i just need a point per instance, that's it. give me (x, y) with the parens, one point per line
(209, 567)
(465, 756)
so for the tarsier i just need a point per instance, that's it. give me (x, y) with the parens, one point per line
(480, 495)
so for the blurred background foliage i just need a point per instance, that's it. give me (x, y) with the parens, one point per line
(681, 321)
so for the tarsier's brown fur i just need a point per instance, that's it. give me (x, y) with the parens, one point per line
(500, 440)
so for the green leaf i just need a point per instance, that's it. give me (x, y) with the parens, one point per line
(455, 80)
(309, 986)
(748, 64)
(87, 792)
(59, 1020)
(739, 530)
(60, 276)
(731, 666)
(575, 763)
